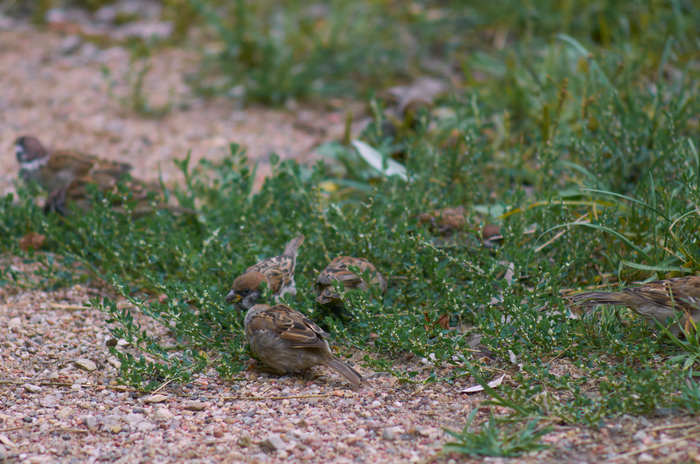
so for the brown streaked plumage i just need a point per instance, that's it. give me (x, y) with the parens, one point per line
(76, 195)
(656, 300)
(446, 220)
(286, 341)
(277, 272)
(55, 169)
(340, 270)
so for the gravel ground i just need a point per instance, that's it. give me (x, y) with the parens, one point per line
(59, 396)
(61, 402)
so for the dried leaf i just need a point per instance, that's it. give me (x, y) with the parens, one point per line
(511, 356)
(376, 160)
(444, 321)
(478, 388)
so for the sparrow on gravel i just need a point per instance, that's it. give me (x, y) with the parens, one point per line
(656, 300)
(144, 197)
(286, 341)
(276, 272)
(55, 169)
(340, 270)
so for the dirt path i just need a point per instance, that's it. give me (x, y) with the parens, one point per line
(63, 98)
(59, 396)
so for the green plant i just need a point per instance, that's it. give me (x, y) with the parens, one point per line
(136, 99)
(496, 438)
(690, 394)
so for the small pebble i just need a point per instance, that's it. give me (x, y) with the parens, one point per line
(86, 364)
(273, 443)
(155, 399)
(31, 388)
(163, 413)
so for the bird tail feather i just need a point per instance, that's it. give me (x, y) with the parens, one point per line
(596, 298)
(346, 371)
(292, 247)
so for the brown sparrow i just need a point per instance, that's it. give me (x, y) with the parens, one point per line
(54, 169)
(339, 270)
(446, 220)
(276, 272)
(287, 341)
(76, 195)
(656, 300)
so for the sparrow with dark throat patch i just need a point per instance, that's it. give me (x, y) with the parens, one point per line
(55, 169)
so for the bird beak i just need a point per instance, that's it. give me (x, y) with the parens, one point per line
(233, 297)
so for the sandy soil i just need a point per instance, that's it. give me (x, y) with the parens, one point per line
(64, 99)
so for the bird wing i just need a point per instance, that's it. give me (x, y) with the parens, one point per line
(290, 325)
(277, 270)
(678, 293)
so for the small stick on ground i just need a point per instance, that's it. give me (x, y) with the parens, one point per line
(558, 234)
(263, 398)
(673, 426)
(67, 307)
(165, 384)
(656, 446)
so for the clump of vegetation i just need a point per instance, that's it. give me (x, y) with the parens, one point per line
(136, 99)
(271, 52)
(492, 440)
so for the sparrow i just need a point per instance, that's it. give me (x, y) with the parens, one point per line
(446, 220)
(55, 169)
(656, 300)
(276, 272)
(76, 195)
(339, 270)
(286, 341)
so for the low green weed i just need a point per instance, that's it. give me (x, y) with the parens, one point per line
(496, 439)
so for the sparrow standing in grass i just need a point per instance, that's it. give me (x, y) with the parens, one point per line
(276, 272)
(340, 270)
(55, 169)
(446, 220)
(287, 341)
(144, 197)
(658, 300)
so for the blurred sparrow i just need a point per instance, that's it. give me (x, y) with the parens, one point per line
(658, 300)
(277, 273)
(339, 270)
(287, 341)
(55, 169)
(446, 220)
(76, 195)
